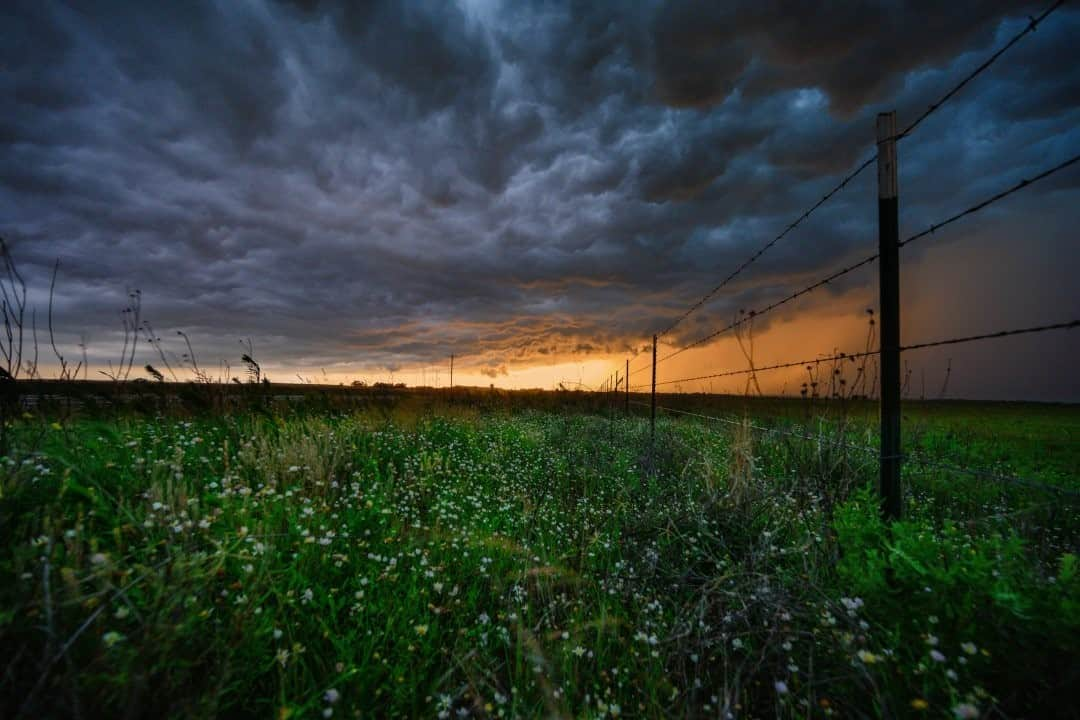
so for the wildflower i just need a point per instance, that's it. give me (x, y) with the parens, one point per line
(936, 656)
(964, 711)
(307, 597)
(282, 656)
(781, 687)
(277, 634)
(867, 657)
(852, 604)
(111, 638)
(579, 651)
(919, 704)
(421, 630)
(969, 648)
(331, 696)
(99, 558)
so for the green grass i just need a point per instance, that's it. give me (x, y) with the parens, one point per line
(493, 564)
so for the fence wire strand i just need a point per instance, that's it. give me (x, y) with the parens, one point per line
(913, 458)
(981, 205)
(1033, 23)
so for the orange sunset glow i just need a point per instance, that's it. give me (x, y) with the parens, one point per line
(539, 359)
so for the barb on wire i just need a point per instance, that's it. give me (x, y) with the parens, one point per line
(1029, 28)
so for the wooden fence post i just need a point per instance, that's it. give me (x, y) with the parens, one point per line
(627, 386)
(889, 309)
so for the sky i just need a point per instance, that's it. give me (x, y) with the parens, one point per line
(363, 189)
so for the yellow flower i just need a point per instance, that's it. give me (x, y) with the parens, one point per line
(56, 426)
(868, 657)
(919, 704)
(421, 630)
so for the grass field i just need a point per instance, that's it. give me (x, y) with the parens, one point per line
(471, 560)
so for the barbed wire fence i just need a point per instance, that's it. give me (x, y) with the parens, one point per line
(890, 381)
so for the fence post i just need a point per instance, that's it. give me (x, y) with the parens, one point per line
(889, 308)
(614, 397)
(628, 386)
(451, 371)
(652, 409)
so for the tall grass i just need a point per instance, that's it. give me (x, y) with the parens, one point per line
(411, 562)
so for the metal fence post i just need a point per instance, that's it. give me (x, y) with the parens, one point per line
(652, 410)
(889, 308)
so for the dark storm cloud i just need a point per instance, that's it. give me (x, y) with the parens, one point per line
(383, 183)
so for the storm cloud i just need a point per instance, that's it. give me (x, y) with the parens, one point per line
(381, 184)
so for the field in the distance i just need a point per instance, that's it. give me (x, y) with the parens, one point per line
(415, 557)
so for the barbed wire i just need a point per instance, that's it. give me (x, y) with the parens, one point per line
(1033, 23)
(981, 205)
(916, 458)
(1069, 325)
(989, 475)
(991, 200)
(771, 306)
(988, 336)
(744, 422)
(765, 248)
(764, 368)
(931, 109)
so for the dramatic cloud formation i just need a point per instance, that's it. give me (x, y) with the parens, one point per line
(369, 187)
